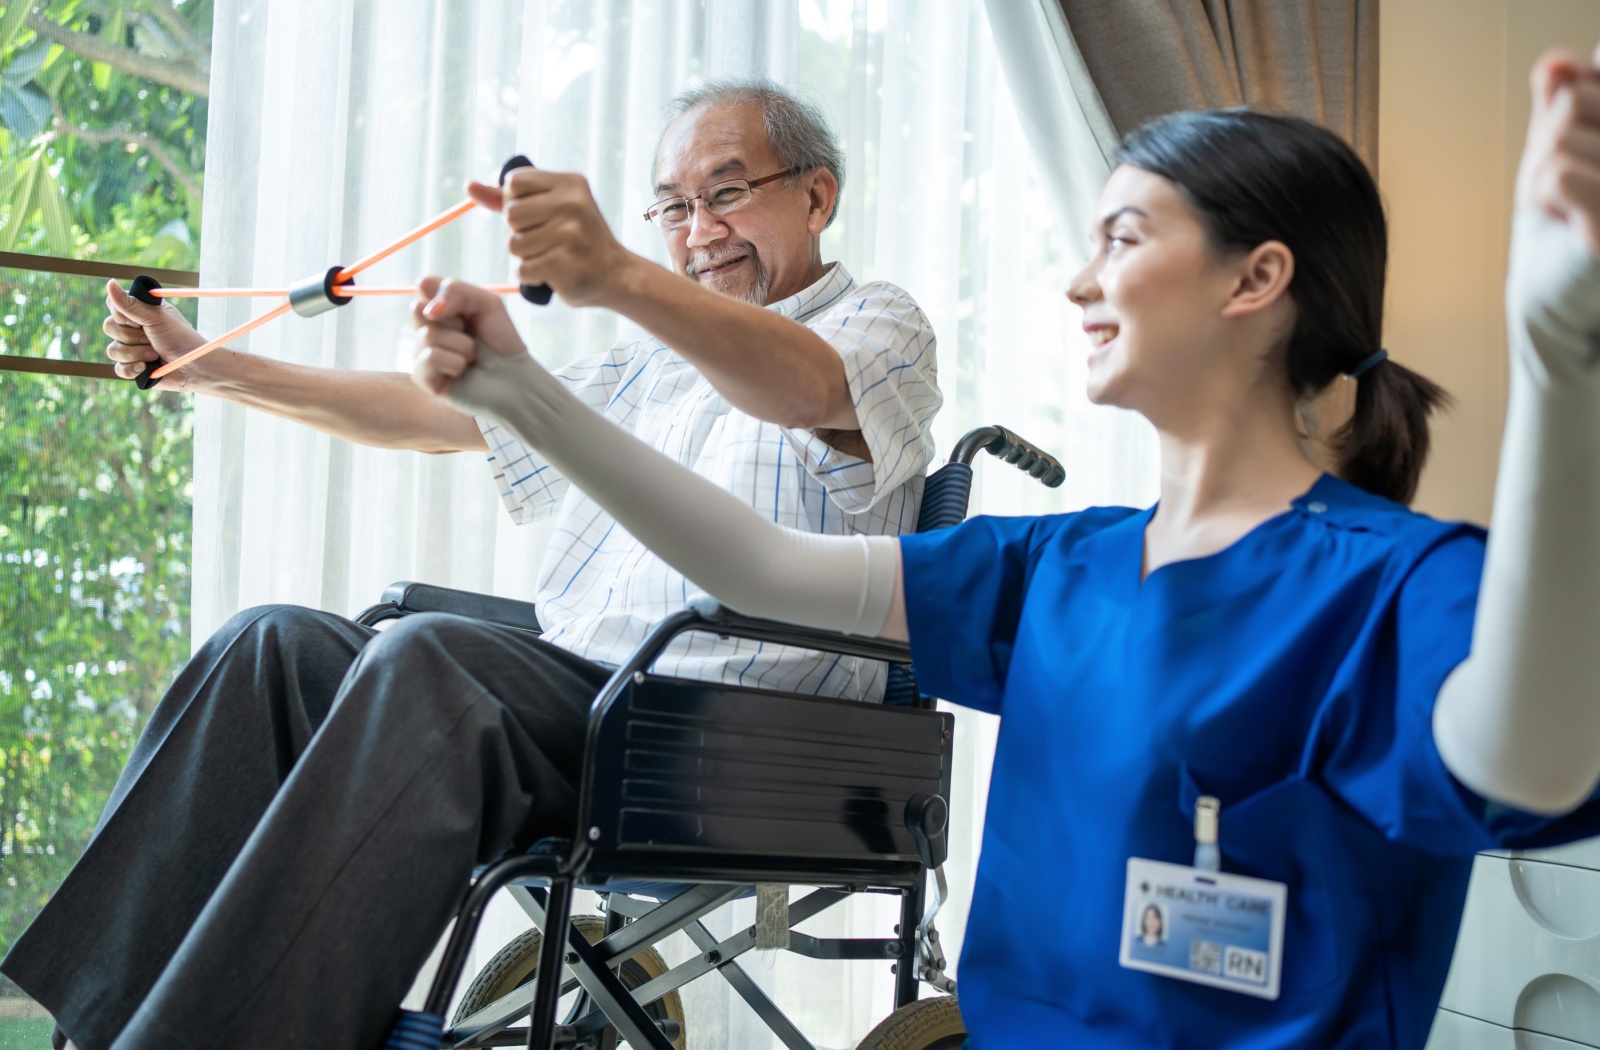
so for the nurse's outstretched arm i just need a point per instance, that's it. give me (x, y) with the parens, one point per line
(471, 354)
(1519, 721)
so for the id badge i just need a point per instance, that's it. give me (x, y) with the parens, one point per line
(1225, 931)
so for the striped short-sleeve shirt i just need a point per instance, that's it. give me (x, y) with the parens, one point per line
(599, 591)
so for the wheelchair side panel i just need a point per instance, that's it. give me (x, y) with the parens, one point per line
(691, 767)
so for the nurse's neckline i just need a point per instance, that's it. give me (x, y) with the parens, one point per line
(1314, 500)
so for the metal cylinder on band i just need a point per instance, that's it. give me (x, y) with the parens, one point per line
(316, 295)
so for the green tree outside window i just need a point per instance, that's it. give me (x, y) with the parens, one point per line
(102, 150)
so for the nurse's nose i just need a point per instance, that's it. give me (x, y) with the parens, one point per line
(1084, 288)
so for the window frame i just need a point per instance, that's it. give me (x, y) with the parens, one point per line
(81, 268)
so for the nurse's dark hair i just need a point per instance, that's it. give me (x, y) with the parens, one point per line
(1254, 177)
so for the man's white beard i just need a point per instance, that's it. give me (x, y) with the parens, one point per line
(760, 287)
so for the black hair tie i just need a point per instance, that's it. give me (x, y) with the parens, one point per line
(1368, 365)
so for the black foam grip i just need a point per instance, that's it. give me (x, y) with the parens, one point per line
(518, 161)
(537, 294)
(141, 288)
(1029, 458)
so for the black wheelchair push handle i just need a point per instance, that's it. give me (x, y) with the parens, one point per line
(537, 294)
(1022, 453)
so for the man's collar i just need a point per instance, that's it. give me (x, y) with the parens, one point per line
(828, 289)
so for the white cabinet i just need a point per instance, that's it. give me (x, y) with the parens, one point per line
(1526, 974)
(1453, 1031)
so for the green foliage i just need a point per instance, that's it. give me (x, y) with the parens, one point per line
(94, 595)
(25, 1034)
(95, 156)
(95, 476)
(23, 104)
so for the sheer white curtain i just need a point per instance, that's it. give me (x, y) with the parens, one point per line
(337, 126)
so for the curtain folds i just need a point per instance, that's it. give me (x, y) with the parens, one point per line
(1061, 112)
(339, 124)
(1316, 59)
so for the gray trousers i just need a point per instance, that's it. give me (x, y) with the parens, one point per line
(296, 826)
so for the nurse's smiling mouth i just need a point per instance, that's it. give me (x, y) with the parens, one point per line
(1102, 336)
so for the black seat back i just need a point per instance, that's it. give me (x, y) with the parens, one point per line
(945, 497)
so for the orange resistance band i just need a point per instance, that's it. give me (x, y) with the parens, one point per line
(343, 277)
(201, 351)
(278, 293)
(415, 235)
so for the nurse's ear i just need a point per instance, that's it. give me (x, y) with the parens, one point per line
(1261, 279)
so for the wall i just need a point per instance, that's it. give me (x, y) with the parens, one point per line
(1452, 110)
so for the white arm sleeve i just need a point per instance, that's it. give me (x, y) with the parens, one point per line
(1519, 721)
(750, 564)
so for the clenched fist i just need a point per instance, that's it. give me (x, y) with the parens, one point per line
(1560, 171)
(145, 337)
(558, 234)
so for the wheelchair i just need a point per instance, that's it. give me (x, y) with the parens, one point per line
(695, 794)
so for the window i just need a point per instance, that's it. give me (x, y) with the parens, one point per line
(102, 138)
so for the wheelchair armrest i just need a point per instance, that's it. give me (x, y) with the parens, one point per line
(719, 619)
(405, 597)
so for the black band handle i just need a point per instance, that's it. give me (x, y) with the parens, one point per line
(537, 294)
(140, 290)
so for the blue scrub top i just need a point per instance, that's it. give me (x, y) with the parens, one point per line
(1293, 676)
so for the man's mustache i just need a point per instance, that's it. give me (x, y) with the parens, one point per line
(706, 258)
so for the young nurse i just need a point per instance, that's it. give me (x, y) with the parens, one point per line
(1371, 698)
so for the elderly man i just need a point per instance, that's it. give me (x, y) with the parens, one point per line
(303, 810)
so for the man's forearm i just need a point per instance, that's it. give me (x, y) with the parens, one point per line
(381, 409)
(764, 364)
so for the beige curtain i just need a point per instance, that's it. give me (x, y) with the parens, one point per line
(1316, 59)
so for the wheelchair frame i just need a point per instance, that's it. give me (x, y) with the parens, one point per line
(853, 798)
(857, 836)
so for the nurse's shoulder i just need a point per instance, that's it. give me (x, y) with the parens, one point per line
(1361, 523)
(998, 554)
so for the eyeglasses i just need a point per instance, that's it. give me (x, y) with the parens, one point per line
(672, 213)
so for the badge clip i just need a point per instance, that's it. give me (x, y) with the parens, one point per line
(1207, 816)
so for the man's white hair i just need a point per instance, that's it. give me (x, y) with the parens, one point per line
(796, 129)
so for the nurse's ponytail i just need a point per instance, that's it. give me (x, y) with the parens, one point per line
(1252, 178)
(1384, 445)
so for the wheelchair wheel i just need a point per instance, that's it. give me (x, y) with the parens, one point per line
(927, 1024)
(514, 965)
